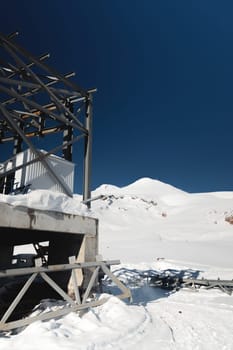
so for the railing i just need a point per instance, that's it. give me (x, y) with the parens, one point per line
(80, 302)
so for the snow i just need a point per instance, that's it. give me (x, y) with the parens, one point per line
(151, 227)
(44, 199)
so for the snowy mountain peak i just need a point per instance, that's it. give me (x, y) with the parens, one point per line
(106, 189)
(144, 188)
(150, 186)
(153, 228)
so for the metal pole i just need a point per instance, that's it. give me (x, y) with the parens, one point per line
(88, 152)
(17, 148)
(67, 135)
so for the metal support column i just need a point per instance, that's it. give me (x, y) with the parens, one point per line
(17, 147)
(67, 135)
(88, 152)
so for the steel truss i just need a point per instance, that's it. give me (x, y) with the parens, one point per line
(80, 302)
(37, 101)
(175, 283)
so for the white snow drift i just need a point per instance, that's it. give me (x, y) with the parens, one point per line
(150, 226)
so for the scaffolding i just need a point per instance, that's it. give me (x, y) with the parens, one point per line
(37, 101)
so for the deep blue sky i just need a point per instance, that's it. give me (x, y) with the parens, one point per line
(164, 73)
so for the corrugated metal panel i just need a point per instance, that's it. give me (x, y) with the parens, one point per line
(36, 174)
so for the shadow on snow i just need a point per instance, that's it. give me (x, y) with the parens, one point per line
(141, 284)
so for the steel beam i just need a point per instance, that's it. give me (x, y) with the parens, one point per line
(43, 66)
(43, 85)
(55, 268)
(88, 152)
(18, 298)
(27, 93)
(41, 108)
(72, 305)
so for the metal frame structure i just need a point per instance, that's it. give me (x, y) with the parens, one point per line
(171, 282)
(36, 101)
(65, 264)
(80, 302)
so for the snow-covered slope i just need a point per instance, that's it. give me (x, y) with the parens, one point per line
(150, 226)
(150, 219)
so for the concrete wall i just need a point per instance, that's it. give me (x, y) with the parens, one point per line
(68, 235)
